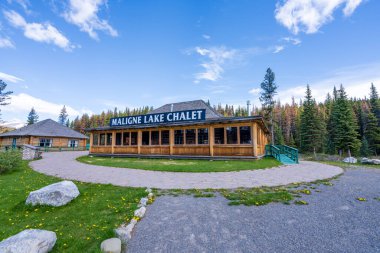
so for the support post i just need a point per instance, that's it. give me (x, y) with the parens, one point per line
(254, 138)
(171, 141)
(139, 141)
(113, 141)
(211, 140)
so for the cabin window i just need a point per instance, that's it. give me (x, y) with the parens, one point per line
(203, 136)
(95, 139)
(155, 138)
(145, 138)
(219, 135)
(245, 135)
(118, 139)
(165, 137)
(109, 139)
(46, 142)
(231, 135)
(133, 138)
(126, 139)
(72, 144)
(178, 137)
(190, 136)
(102, 139)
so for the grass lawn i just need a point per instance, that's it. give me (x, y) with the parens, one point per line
(80, 226)
(181, 165)
(352, 165)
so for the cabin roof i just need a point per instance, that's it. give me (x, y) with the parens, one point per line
(48, 128)
(211, 113)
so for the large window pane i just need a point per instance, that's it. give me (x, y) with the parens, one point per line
(190, 136)
(145, 138)
(203, 136)
(154, 138)
(46, 142)
(126, 138)
(134, 138)
(102, 139)
(178, 136)
(118, 139)
(95, 139)
(109, 139)
(245, 135)
(165, 137)
(219, 135)
(231, 135)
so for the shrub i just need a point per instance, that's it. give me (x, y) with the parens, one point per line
(9, 160)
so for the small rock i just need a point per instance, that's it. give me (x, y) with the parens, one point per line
(30, 241)
(150, 195)
(124, 233)
(57, 194)
(148, 190)
(376, 161)
(143, 202)
(350, 160)
(140, 212)
(133, 221)
(112, 245)
(366, 160)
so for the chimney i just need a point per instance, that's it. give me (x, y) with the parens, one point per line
(171, 108)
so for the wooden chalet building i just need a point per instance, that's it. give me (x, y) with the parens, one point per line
(47, 134)
(186, 129)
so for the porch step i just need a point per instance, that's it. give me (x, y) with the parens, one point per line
(286, 160)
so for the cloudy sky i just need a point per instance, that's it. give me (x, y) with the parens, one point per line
(92, 55)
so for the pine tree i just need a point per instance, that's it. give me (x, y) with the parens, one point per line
(62, 118)
(269, 90)
(375, 102)
(372, 134)
(32, 117)
(345, 137)
(4, 95)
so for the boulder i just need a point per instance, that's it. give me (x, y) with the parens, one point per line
(112, 245)
(376, 161)
(350, 160)
(57, 194)
(124, 233)
(140, 212)
(143, 202)
(366, 160)
(29, 241)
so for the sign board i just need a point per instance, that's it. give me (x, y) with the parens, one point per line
(159, 118)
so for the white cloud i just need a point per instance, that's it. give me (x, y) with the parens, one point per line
(39, 32)
(6, 43)
(84, 14)
(278, 49)
(14, 123)
(310, 15)
(255, 91)
(294, 41)
(9, 78)
(216, 57)
(23, 3)
(206, 36)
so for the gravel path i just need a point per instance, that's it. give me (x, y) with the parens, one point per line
(334, 221)
(64, 165)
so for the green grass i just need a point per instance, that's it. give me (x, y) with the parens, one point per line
(351, 165)
(181, 165)
(80, 226)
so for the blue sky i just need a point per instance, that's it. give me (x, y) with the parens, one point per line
(92, 55)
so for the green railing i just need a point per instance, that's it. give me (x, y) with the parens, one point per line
(278, 150)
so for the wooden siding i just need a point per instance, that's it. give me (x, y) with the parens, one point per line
(59, 142)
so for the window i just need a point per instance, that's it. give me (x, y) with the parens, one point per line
(245, 135)
(145, 138)
(190, 136)
(73, 144)
(154, 138)
(219, 135)
(102, 139)
(203, 136)
(118, 139)
(46, 142)
(178, 137)
(109, 139)
(134, 138)
(165, 137)
(231, 135)
(126, 138)
(95, 139)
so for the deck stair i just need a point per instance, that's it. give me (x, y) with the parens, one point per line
(283, 153)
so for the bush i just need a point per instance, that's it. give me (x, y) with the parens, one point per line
(9, 160)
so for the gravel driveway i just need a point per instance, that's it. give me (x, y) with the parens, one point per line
(64, 165)
(334, 221)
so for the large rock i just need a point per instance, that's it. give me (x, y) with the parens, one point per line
(350, 160)
(112, 245)
(57, 194)
(29, 241)
(376, 161)
(370, 161)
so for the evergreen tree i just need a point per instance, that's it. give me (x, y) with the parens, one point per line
(311, 128)
(4, 95)
(372, 134)
(32, 117)
(345, 137)
(375, 102)
(364, 148)
(269, 90)
(62, 118)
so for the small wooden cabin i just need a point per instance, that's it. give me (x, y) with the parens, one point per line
(186, 129)
(46, 134)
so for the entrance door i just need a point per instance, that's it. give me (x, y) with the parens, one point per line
(14, 143)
